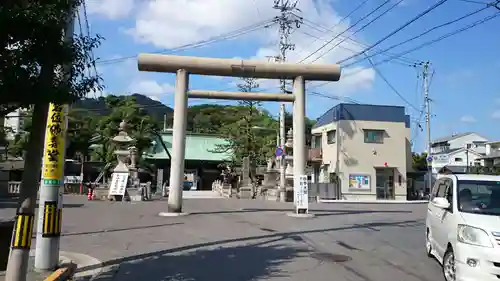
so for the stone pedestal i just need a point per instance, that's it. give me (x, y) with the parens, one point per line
(246, 187)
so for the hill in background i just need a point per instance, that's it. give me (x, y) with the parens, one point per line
(154, 108)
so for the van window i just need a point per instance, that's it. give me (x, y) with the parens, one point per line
(441, 187)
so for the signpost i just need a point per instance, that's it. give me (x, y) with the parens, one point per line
(301, 194)
(279, 152)
(118, 184)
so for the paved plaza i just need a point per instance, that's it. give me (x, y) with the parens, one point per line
(231, 239)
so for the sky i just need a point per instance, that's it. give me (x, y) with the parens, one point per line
(465, 96)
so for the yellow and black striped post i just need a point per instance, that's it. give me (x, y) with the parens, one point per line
(23, 231)
(52, 217)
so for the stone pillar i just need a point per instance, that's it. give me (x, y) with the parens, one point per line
(178, 142)
(159, 183)
(245, 182)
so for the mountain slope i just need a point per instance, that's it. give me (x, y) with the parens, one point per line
(155, 109)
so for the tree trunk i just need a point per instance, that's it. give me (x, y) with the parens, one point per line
(18, 261)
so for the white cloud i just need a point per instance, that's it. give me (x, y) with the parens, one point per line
(112, 9)
(151, 89)
(159, 22)
(468, 119)
(496, 115)
(497, 100)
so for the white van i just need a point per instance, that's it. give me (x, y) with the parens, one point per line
(463, 226)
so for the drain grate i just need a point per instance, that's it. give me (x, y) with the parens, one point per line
(327, 257)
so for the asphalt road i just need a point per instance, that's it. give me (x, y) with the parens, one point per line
(245, 240)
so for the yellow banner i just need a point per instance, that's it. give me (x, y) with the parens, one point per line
(55, 134)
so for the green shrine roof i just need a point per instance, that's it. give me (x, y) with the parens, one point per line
(198, 147)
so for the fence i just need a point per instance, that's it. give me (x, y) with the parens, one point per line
(323, 191)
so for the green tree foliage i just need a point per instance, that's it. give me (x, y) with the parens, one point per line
(242, 131)
(34, 51)
(419, 161)
(140, 126)
(81, 130)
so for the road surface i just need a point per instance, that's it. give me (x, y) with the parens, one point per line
(245, 240)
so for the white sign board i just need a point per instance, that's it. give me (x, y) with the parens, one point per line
(118, 184)
(301, 192)
(72, 179)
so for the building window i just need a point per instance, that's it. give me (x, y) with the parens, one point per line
(374, 136)
(458, 159)
(316, 141)
(330, 136)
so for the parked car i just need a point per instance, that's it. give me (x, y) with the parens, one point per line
(463, 226)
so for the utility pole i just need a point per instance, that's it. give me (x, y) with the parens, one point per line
(287, 21)
(17, 267)
(427, 100)
(51, 195)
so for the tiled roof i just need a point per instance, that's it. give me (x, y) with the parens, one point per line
(198, 147)
(452, 137)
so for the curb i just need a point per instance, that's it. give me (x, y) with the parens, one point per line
(65, 272)
(373, 201)
(83, 261)
(72, 263)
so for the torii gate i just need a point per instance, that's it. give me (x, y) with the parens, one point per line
(183, 66)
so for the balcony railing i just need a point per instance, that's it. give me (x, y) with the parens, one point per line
(315, 154)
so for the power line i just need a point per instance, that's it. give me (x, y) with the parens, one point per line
(345, 30)
(441, 2)
(419, 35)
(423, 45)
(391, 86)
(360, 29)
(328, 30)
(402, 62)
(211, 40)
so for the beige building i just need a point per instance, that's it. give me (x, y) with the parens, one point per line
(364, 147)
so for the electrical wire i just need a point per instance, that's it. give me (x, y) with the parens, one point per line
(339, 22)
(441, 2)
(353, 51)
(360, 29)
(392, 87)
(345, 30)
(339, 98)
(406, 61)
(418, 36)
(211, 40)
(423, 45)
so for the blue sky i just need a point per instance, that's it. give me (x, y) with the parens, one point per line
(465, 94)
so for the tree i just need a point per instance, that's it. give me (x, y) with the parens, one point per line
(81, 131)
(141, 126)
(39, 65)
(419, 161)
(242, 138)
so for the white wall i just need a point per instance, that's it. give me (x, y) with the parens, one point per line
(14, 122)
(462, 141)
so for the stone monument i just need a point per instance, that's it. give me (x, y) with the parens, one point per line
(269, 185)
(121, 173)
(246, 186)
